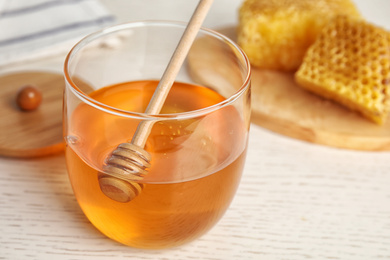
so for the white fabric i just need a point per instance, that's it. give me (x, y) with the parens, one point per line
(36, 28)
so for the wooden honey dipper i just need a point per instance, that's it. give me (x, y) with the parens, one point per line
(129, 162)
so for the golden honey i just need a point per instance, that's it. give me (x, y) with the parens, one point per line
(196, 164)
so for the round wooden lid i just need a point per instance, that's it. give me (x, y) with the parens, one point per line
(32, 133)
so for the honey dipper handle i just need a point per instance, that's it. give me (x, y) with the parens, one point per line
(171, 71)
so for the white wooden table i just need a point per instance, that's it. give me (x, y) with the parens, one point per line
(296, 200)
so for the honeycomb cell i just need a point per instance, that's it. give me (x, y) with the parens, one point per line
(275, 34)
(360, 70)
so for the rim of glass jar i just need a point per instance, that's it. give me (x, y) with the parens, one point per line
(130, 114)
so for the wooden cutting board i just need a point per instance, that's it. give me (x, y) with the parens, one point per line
(34, 133)
(280, 105)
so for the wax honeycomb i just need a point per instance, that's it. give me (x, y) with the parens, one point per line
(349, 63)
(275, 34)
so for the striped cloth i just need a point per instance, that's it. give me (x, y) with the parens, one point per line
(36, 28)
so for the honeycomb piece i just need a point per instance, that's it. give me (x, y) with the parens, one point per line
(350, 63)
(275, 34)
